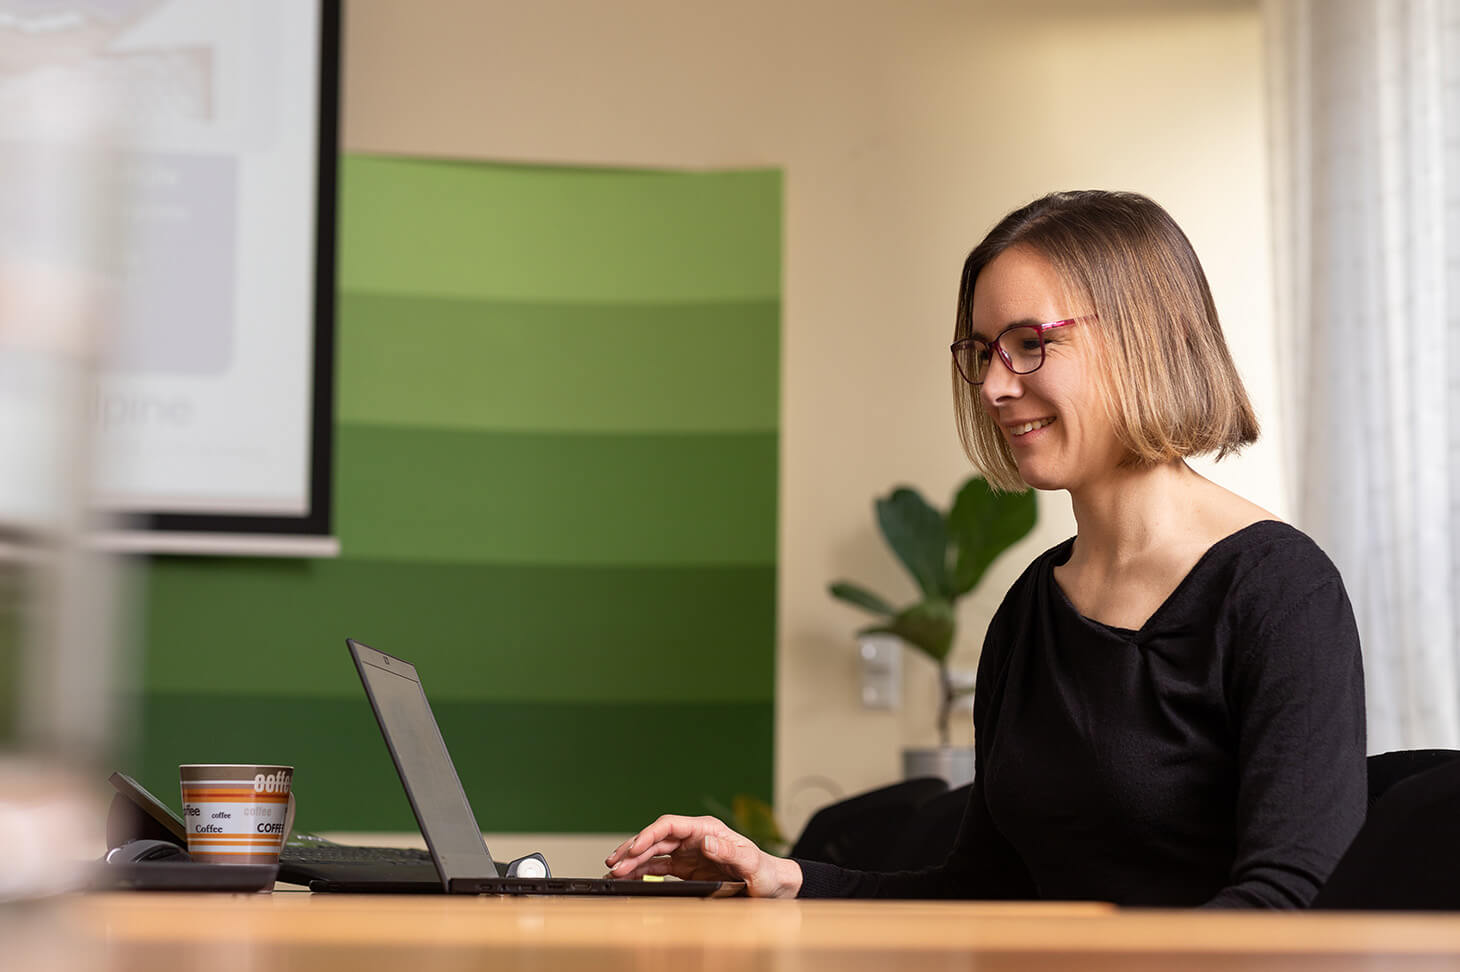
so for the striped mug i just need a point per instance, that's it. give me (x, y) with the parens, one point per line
(236, 813)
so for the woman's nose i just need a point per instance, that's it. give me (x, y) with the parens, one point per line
(999, 383)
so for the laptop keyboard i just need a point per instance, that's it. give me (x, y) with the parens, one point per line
(350, 854)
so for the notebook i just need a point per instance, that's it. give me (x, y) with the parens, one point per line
(463, 863)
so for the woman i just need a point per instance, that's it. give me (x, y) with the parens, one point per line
(1169, 707)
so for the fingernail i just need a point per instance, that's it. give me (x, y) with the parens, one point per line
(712, 846)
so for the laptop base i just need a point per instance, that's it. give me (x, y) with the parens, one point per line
(591, 886)
(371, 884)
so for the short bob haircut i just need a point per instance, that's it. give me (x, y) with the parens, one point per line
(1171, 389)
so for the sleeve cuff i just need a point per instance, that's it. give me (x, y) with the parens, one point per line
(821, 880)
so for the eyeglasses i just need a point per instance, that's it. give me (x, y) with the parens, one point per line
(1020, 347)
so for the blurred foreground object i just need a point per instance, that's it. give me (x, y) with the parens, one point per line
(61, 280)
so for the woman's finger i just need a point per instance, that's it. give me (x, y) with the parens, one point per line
(632, 861)
(669, 826)
(618, 852)
(651, 834)
(659, 867)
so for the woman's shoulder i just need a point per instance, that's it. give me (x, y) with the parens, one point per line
(1271, 544)
(1268, 565)
(1232, 529)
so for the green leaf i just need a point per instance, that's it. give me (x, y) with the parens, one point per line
(861, 597)
(918, 534)
(751, 817)
(754, 818)
(928, 627)
(982, 525)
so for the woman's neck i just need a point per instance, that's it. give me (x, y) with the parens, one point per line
(1121, 516)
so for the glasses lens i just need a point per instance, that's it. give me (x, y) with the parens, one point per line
(1023, 348)
(973, 360)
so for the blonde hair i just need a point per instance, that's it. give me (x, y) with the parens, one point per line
(1171, 389)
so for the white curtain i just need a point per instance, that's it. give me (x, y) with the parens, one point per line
(1365, 124)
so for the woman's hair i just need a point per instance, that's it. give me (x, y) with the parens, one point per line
(1170, 387)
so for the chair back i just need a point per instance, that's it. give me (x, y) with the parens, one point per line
(1386, 769)
(860, 831)
(929, 836)
(1406, 857)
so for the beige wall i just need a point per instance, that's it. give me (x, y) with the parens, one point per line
(904, 129)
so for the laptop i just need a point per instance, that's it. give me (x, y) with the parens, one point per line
(463, 863)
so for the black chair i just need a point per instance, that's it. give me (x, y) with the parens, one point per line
(929, 836)
(1406, 857)
(861, 831)
(1386, 769)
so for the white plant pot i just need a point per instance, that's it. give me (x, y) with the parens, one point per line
(952, 763)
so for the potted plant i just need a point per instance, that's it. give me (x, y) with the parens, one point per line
(946, 554)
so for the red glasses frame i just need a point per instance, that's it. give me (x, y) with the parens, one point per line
(997, 345)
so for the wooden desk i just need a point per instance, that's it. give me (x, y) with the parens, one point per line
(285, 932)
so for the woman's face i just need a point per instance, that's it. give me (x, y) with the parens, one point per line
(1072, 442)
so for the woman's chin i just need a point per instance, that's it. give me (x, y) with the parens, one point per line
(1040, 478)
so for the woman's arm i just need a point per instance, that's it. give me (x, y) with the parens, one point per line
(1297, 696)
(981, 863)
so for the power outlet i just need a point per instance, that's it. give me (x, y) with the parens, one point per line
(881, 667)
(963, 679)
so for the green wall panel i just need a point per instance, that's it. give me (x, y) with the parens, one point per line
(459, 495)
(556, 469)
(587, 767)
(559, 366)
(451, 229)
(513, 632)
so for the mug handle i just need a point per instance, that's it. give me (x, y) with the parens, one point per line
(288, 820)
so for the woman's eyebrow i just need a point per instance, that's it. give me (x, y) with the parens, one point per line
(1023, 321)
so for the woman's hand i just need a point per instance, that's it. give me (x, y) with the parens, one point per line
(704, 849)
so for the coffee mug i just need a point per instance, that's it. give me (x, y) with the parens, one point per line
(236, 813)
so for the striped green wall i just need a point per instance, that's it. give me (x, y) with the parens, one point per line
(556, 473)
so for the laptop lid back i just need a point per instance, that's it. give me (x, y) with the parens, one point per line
(424, 765)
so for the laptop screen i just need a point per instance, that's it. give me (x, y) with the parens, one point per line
(424, 764)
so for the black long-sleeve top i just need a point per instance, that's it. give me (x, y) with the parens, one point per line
(1214, 757)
